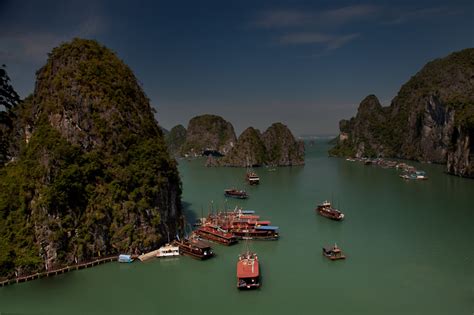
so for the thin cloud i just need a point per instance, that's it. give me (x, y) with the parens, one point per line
(329, 41)
(405, 15)
(283, 18)
(34, 46)
(298, 18)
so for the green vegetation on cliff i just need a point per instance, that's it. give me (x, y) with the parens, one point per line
(430, 119)
(249, 150)
(91, 174)
(175, 139)
(276, 146)
(208, 132)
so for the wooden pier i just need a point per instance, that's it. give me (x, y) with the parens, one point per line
(56, 272)
(150, 255)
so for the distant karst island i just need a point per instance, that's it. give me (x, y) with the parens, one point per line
(213, 136)
(430, 120)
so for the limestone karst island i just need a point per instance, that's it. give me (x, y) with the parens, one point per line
(236, 158)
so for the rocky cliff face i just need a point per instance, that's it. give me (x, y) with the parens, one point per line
(91, 174)
(175, 139)
(282, 148)
(250, 150)
(430, 119)
(276, 146)
(209, 132)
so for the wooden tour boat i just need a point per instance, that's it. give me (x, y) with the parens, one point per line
(216, 234)
(264, 232)
(326, 210)
(333, 253)
(234, 193)
(194, 248)
(248, 271)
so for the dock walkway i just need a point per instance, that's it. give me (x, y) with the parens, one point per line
(55, 272)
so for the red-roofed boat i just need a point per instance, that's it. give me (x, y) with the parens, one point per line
(248, 271)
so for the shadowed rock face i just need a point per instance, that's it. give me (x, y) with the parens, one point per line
(276, 146)
(91, 173)
(282, 148)
(430, 119)
(209, 132)
(250, 150)
(175, 139)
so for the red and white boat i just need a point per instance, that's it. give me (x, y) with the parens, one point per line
(248, 271)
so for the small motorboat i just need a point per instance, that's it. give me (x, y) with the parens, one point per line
(252, 178)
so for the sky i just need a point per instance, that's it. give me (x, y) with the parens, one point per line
(307, 64)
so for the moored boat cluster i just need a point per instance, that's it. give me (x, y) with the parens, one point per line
(408, 171)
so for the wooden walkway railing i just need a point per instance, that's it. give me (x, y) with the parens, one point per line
(55, 272)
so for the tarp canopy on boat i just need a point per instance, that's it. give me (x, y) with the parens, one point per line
(267, 228)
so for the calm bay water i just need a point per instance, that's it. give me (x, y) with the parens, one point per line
(410, 248)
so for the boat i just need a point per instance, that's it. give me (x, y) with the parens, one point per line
(216, 234)
(333, 253)
(168, 250)
(252, 178)
(194, 248)
(248, 271)
(326, 210)
(234, 193)
(264, 232)
(415, 175)
(123, 258)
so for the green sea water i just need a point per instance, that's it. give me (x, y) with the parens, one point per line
(409, 247)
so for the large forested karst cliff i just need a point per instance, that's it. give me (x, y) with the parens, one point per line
(89, 173)
(431, 119)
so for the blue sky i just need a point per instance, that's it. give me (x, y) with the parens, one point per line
(307, 64)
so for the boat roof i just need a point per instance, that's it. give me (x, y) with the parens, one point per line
(169, 246)
(248, 268)
(124, 256)
(247, 211)
(263, 222)
(200, 244)
(250, 216)
(267, 227)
